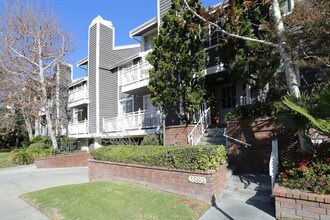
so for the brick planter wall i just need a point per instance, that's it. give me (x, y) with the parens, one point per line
(178, 134)
(258, 133)
(70, 160)
(301, 205)
(175, 181)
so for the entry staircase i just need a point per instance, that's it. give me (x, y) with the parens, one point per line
(213, 136)
(249, 187)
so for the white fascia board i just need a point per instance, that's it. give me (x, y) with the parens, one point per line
(125, 46)
(77, 81)
(138, 31)
(83, 61)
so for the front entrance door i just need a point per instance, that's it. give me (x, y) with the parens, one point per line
(228, 99)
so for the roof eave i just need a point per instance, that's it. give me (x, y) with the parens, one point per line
(138, 31)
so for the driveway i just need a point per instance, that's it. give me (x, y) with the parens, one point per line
(16, 181)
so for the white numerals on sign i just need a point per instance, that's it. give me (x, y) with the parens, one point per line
(197, 179)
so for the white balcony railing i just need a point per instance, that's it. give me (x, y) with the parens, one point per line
(135, 76)
(78, 94)
(80, 127)
(133, 121)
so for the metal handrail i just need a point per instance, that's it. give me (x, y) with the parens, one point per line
(234, 139)
(202, 119)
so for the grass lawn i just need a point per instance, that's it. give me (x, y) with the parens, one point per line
(4, 160)
(113, 200)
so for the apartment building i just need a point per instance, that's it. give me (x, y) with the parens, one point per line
(113, 100)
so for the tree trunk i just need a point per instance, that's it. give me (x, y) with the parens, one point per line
(37, 126)
(28, 125)
(47, 105)
(290, 71)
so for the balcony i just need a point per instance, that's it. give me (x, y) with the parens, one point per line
(133, 123)
(78, 128)
(134, 80)
(78, 96)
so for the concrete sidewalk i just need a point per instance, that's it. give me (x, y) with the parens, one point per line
(16, 181)
(232, 209)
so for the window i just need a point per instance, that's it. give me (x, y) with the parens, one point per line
(126, 106)
(148, 42)
(147, 105)
(228, 97)
(78, 115)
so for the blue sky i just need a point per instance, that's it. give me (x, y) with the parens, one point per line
(76, 15)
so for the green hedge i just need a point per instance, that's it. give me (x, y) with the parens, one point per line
(186, 158)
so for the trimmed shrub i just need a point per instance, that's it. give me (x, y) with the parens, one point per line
(186, 158)
(27, 155)
(152, 140)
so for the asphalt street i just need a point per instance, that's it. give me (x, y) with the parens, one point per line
(16, 181)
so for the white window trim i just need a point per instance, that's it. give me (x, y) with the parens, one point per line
(122, 100)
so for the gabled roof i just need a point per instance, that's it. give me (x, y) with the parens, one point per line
(147, 26)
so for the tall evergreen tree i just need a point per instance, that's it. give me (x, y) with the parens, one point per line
(178, 60)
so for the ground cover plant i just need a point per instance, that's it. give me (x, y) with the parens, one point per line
(108, 200)
(186, 158)
(5, 160)
(308, 171)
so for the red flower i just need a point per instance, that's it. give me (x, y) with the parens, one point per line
(328, 160)
(322, 183)
(287, 171)
(303, 167)
(303, 161)
(306, 183)
(285, 176)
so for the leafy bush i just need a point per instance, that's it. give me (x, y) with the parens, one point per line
(252, 111)
(67, 144)
(186, 158)
(41, 139)
(27, 155)
(307, 171)
(152, 140)
(40, 146)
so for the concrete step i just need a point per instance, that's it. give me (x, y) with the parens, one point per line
(214, 132)
(214, 139)
(248, 187)
(262, 184)
(234, 192)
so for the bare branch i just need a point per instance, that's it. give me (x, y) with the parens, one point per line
(227, 33)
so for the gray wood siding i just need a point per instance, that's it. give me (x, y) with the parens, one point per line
(109, 56)
(138, 103)
(108, 95)
(108, 80)
(164, 6)
(92, 79)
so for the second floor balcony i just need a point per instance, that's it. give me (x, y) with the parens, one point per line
(78, 128)
(78, 96)
(134, 79)
(139, 120)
